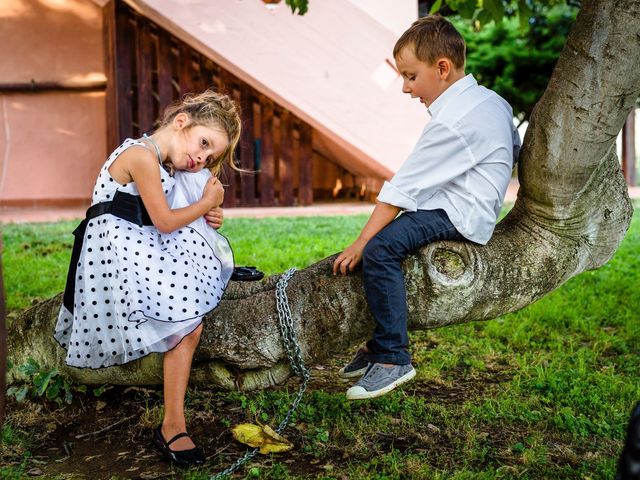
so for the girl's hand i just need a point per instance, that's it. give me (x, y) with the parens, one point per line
(349, 258)
(213, 192)
(214, 217)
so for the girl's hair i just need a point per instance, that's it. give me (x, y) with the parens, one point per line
(210, 108)
(433, 37)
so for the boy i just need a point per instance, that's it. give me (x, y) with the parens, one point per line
(451, 187)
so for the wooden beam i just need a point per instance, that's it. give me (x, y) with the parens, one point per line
(109, 47)
(216, 79)
(229, 178)
(165, 71)
(629, 149)
(305, 192)
(286, 160)
(185, 74)
(123, 72)
(37, 87)
(199, 80)
(247, 146)
(267, 197)
(275, 130)
(144, 75)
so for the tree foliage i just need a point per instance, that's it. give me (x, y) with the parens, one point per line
(517, 62)
(482, 12)
(298, 6)
(512, 45)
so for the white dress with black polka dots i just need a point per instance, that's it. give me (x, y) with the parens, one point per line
(137, 290)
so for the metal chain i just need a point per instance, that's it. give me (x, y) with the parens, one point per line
(295, 358)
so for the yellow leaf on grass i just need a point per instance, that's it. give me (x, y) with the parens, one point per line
(262, 437)
(274, 442)
(249, 434)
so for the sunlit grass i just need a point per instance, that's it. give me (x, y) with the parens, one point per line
(36, 256)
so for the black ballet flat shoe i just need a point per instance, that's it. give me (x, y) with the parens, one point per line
(182, 458)
(246, 274)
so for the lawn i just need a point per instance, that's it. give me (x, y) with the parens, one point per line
(543, 393)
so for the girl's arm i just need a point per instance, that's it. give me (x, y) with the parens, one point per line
(214, 217)
(382, 215)
(142, 167)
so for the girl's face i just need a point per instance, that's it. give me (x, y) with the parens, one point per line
(193, 147)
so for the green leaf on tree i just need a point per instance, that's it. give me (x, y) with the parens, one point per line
(495, 9)
(298, 6)
(482, 17)
(435, 7)
(524, 12)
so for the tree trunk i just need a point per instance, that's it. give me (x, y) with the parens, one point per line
(571, 214)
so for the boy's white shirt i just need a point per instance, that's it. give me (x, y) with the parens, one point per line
(462, 161)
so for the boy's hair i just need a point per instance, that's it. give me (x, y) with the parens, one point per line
(433, 37)
(210, 108)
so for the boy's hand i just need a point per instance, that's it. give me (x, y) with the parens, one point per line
(349, 258)
(214, 217)
(382, 215)
(213, 192)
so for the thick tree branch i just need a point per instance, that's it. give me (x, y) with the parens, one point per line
(593, 87)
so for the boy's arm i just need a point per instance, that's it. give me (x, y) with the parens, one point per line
(382, 215)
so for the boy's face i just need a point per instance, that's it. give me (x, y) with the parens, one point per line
(420, 80)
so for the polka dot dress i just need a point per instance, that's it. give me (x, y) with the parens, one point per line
(137, 290)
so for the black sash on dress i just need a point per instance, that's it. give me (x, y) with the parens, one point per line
(124, 205)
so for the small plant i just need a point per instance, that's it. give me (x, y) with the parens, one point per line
(48, 383)
(254, 472)
(318, 442)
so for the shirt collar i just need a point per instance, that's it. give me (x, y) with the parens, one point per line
(453, 91)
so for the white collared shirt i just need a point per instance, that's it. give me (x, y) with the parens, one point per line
(462, 162)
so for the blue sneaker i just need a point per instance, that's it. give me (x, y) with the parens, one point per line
(380, 380)
(356, 367)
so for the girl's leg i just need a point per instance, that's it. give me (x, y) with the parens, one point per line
(176, 370)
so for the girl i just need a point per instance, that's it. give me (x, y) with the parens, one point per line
(144, 273)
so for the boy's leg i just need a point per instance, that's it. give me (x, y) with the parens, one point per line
(358, 364)
(384, 280)
(384, 284)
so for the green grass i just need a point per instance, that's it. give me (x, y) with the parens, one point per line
(35, 260)
(543, 393)
(36, 256)
(276, 244)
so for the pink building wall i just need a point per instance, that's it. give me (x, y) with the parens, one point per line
(53, 143)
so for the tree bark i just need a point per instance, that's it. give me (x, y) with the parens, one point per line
(571, 214)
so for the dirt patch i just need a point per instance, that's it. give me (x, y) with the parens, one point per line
(109, 436)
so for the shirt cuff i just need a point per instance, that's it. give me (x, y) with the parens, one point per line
(394, 196)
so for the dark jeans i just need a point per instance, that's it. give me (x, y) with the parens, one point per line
(384, 280)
